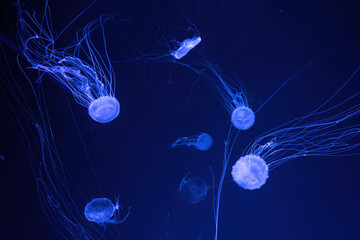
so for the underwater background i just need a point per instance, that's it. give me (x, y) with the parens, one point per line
(264, 42)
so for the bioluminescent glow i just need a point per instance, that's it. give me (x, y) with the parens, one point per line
(202, 142)
(79, 67)
(102, 210)
(193, 189)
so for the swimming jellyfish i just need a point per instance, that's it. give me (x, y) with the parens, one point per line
(79, 67)
(102, 210)
(201, 142)
(185, 47)
(324, 136)
(193, 190)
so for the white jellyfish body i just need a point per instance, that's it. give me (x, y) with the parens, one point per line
(102, 210)
(202, 142)
(193, 190)
(79, 67)
(104, 109)
(250, 172)
(185, 47)
(243, 118)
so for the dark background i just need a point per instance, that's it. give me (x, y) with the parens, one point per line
(264, 42)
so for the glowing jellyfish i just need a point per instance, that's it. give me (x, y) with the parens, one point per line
(193, 190)
(250, 172)
(330, 133)
(79, 67)
(201, 142)
(185, 47)
(102, 210)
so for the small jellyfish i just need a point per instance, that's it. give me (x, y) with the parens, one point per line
(79, 67)
(201, 142)
(102, 210)
(250, 172)
(243, 118)
(185, 47)
(193, 190)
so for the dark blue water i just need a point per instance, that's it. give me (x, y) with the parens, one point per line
(264, 42)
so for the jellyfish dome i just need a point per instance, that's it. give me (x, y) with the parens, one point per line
(104, 109)
(193, 190)
(204, 142)
(99, 210)
(243, 118)
(250, 172)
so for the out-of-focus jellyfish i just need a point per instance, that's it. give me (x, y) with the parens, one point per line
(79, 67)
(102, 210)
(193, 189)
(201, 142)
(324, 132)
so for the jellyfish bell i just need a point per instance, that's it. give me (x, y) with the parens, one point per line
(243, 118)
(250, 172)
(102, 210)
(204, 142)
(104, 109)
(99, 210)
(193, 190)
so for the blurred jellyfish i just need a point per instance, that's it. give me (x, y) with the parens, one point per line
(324, 132)
(102, 210)
(201, 142)
(2, 157)
(193, 190)
(79, 67)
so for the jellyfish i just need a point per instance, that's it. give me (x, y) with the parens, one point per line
(315, 134)
(79, 67)
(202, 142)
(2, 157)
(102, 210)
(193, 189)
(185, 47)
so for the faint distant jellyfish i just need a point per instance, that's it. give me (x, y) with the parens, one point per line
(102, 210)
(90, 79)
(193, 190)
(201, 142)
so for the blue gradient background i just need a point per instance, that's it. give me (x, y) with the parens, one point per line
(264, 42)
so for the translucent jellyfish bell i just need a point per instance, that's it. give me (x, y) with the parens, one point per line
(243, 118)
(102, 210)
(104, 109)
(201, 142)
(250, 172)
(193, 190)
